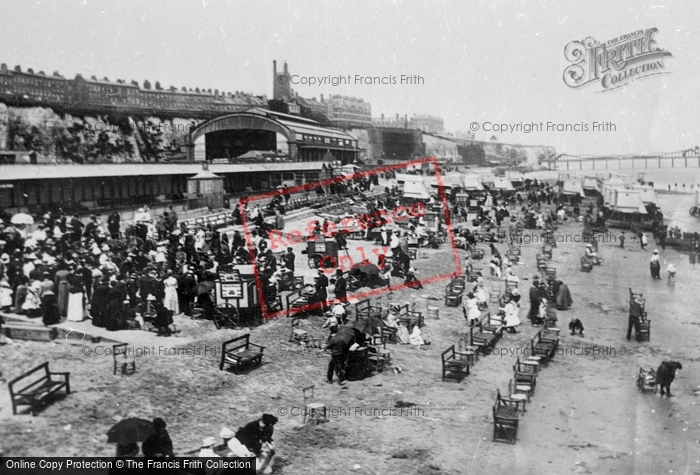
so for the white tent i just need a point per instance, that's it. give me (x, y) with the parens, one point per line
(590, 183)
(503, 184)
(572, 188)
(488, 178)
(628, 201)
(402, 178)
(409, 181)
(416, 190)
(452, 180)
(515, 177)
(648, 195)
(471, 183)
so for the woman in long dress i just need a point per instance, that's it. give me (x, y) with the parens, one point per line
(471, 308)
(49, 307)
(76, 299)
(171, 300)
(512, 318)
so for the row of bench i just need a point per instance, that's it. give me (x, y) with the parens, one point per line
(507, 410)
(483, 336)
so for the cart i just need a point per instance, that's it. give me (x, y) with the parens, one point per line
(646, 380)
(237, 299)
(322, 253)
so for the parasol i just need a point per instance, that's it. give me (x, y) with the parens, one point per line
(205, 287)
(347, 334)
(369, 325)
(128, 431)
(22, 218)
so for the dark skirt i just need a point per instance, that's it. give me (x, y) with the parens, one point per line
(49, 308)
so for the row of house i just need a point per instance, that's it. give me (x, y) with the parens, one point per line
(18, 87)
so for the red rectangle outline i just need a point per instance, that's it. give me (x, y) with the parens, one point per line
(310, 186)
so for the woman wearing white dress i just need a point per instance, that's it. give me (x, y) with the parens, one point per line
(161, 258)
(471, 309)
(512, 318)
(171, 301)
(76, 298)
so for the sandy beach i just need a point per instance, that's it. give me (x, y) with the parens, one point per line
(586, 416)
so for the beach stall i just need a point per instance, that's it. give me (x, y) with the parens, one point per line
(627, 211)
(503, 184)
(592, 186)
(571, 191)
(415, 190)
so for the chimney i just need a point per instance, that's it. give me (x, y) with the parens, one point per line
(286, 71)
(382, 117)
(397, 118)
(321, 97)
(274, 68)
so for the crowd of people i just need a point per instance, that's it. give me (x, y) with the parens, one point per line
(252, 440)
(115, 275)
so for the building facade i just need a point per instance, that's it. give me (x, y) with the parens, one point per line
(27, 88)
(427, 123)
(349, 112)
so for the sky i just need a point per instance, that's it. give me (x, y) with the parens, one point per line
(480, 61)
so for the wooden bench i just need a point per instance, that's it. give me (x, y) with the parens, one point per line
(586, 264)
(121, 359)
(452, 366)
(550, 332)
(484, 340)
(411, 319)
(38, 391)
(290, 299)
(240, 353)
(542, 347)
(364, 309)
(643, 329)
(547, 251)
(492, 324)
(474, 272)
(453, 296)
(302, 337)
(505, 419)
(524, 375)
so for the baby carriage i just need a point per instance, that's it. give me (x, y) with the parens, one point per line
(646, 380)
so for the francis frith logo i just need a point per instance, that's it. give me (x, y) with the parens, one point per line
(615, 63)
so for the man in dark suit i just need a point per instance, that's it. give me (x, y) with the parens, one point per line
(321, 284)
(339, 349)
(535, 301)
(341, 286)
(289, 259)
(145, 286)
(186, 291)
